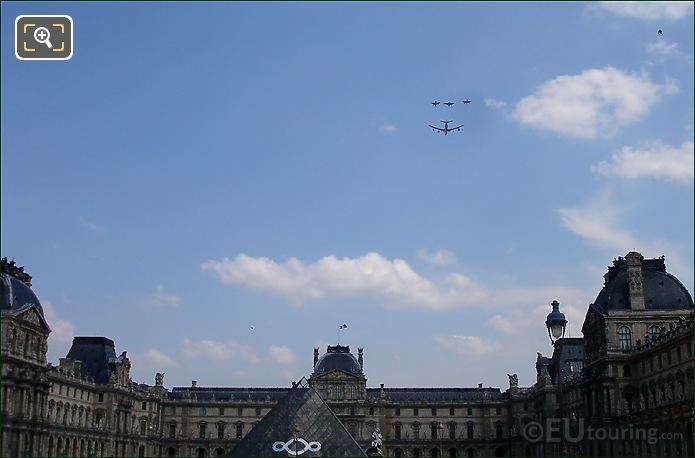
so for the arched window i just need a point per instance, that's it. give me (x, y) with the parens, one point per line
(416, 430)
(654, 331)
(627, 372)
(397, 430)
(625, 337)
(452, 452)
(471, 452)
(171, 452)
(452, 430)
(398, 453)
(219, 451)
(417, 453)
(434, 452)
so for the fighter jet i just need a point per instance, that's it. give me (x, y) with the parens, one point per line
(448, 103)
(446, 128)
(435, 103)
(467, 101)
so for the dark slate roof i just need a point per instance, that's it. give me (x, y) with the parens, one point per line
(338, 357)
(566, 349)
(436, 394)
(229, 394)
(95, 353)
(314, 421)
(662, 291)
(16, 295)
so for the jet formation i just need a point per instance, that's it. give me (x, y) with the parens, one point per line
(446, 129)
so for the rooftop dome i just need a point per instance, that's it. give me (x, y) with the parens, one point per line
(16, 291)
(662, 291)
(338, 357)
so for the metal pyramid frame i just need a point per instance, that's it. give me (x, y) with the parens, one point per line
(300, 424)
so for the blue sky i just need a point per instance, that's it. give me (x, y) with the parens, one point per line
(198, 169)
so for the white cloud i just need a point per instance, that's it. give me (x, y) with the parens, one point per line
(281, 354)
(92, 227)
(154, 358)
(467, 345)
(653, 11)
(502, 324)
(393, 281)
(388, 128)
(663, 49)
(61, 330)
(653, 160)
(439, 257)
(496, 104)
(598, 223)
(595, 103)
(161, 298)
(219, 351)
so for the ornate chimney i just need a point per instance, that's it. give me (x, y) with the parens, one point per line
(634, 275)
(360, 357)
(316, 355)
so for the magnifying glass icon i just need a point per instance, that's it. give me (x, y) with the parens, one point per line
(42, 35)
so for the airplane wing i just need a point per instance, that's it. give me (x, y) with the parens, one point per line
(439, 129)
(456, 128)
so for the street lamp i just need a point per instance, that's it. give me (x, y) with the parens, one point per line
(555, 322)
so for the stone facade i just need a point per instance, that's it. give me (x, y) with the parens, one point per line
(632, 370)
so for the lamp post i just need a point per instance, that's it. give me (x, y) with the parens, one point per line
(556, 323)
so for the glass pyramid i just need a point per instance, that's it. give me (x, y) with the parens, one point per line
(300, 424)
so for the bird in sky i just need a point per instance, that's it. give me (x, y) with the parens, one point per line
(449, 103)
(660, 32)
(436, 102)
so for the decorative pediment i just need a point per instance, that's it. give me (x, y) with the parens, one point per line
(338, 375)
(33, 316)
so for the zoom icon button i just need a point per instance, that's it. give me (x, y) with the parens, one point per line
(41, 37)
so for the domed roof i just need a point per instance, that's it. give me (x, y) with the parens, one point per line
(16, 293)
(338, 357)
(662, 291)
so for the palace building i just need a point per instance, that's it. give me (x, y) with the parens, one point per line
(630, 376)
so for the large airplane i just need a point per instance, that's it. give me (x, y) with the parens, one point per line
(449, 103)
(446, 128)
(467, 101)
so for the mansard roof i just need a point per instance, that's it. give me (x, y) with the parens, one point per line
(662, 291)
(436, 394)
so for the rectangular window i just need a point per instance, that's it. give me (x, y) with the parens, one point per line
(498, 431)
(397, 431)
(258, 411)
(220, 431)
(498, 411)
(352, 411)
(434, 427)
(143, 428)
(452, 431)
(221, 411)
(434, 411)
(416, 412)
(470, 430)
(678, 353)
(398, 411)
(144, 405)
(371, 427)
(371, 412)
(172, 430)
(240, 412)
(203, 411)
(239, 430)
(97, 419)
(469, 411)
(101, 397)
(416, 430)
(202, 431)
(452, 411)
